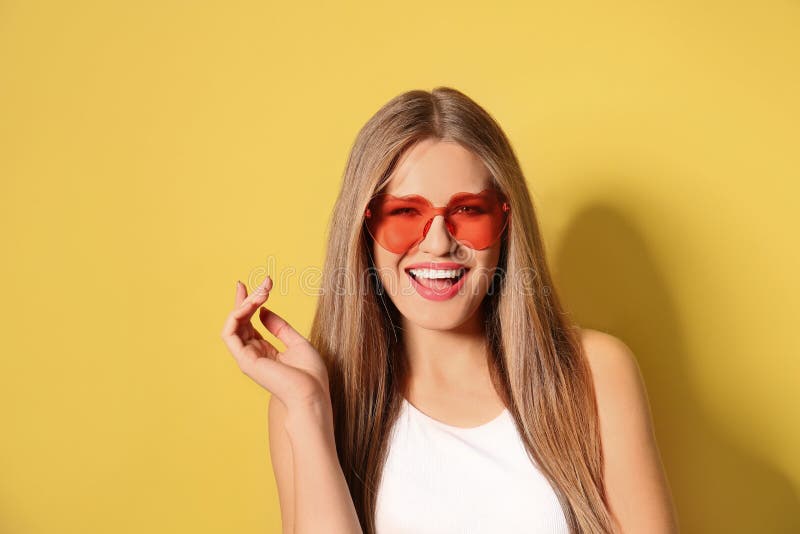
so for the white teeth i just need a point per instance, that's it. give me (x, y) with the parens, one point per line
(436, 273)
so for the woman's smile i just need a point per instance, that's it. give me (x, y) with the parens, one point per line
(437, 281)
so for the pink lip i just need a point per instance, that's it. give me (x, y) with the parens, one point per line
(430, 293)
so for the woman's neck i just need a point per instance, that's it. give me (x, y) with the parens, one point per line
(455, 360)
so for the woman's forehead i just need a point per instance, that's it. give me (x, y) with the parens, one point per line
(437, 170)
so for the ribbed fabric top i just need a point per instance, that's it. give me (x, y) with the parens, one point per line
(443, 479)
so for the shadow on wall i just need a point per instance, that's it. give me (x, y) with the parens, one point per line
(608, 281)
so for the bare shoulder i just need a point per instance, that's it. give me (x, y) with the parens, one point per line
(637, 487)
(620, 392)
(605, 351)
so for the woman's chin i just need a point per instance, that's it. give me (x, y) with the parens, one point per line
(437, 324)
(438, 319)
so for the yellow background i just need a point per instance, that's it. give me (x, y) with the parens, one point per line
(152, 153)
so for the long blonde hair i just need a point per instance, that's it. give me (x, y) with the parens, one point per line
(537, 363)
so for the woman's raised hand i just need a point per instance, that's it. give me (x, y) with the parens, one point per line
(298, 375)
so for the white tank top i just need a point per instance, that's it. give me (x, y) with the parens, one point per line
(442, 479)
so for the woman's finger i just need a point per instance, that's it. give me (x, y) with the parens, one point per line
(247, 357)
(246, 307)
(256, 299)
(240, 315)
(238, 332)
(272, 351)
(280, 328)
(268, 348)
(241, 294)
(230, 337)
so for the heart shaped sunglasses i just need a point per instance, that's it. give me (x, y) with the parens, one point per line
(475, 220)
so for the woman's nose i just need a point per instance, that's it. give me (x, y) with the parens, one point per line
(438, 240)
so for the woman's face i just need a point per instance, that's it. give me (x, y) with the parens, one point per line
(436, 170)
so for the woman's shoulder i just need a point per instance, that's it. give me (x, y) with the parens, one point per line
(628, 437)
(607, 353)
(618, 382)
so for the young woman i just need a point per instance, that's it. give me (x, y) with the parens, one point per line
(443, 389)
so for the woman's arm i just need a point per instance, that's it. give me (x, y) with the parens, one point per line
(280, 454)
(316, 497)
(313, 490)
(637, 486)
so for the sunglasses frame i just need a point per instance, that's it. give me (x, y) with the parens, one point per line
(443, 210)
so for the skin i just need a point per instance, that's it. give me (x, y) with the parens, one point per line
(449, 373)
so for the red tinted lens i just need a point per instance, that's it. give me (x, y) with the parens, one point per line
(397, 223)
(475, 220)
